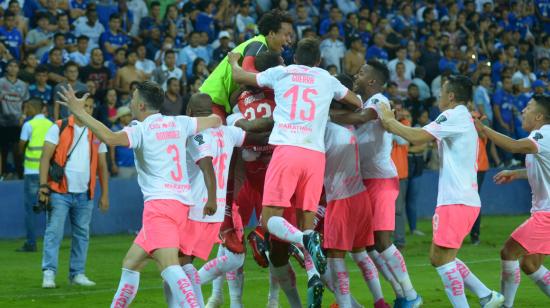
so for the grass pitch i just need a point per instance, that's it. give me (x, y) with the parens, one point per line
(21, 277)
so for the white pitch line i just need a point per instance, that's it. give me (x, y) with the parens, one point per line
(258, 278)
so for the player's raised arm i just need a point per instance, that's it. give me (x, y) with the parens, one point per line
(348, 117)
(351, 99)
(507, 176)
(414, 135)
(239, 74)
(76, 106)
(522, 146)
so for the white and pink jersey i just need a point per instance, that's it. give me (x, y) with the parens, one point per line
(160, 152)
(538, 169)
(342, 173)
(375, 144)
(302, 97)
(457, 141)
(217, 143)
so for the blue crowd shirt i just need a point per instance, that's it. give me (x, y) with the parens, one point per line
(13, 41)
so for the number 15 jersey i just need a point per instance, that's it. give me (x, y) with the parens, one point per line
(160, 153)
(302, 96)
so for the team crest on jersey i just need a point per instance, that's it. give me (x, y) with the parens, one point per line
(538, 136)
(199, 139)
(375, 101)
(441, 119)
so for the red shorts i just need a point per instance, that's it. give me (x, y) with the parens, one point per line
(534, 234)
(452, 223)
(200, 238)
(294, 171)
(383, 194)
(348, 225)
(250, 199)
(162, 220)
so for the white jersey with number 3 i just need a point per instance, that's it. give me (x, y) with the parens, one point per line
(538, 169)
(375, 144)
(302, 96)
(217, 143)
(160, 153)
(457, 146)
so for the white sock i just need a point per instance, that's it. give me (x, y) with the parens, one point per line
(396, 263)
(327, 280)
(195, 279)
(274, 286)
(287, 280)
(279, 227)
(170, 300)
(310, 267)
(509, 281)
(471, 282)
(370, 273)
(180, 286)
(542, 278)
(235, 282)
(454, 285)
(217, 288)
(127, 289)
(386, 273)
(220, 265)
(340, 278)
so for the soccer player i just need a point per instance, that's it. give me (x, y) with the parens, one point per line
(159, 147)
(303, 94)
(458, 201)
(531, 240)
(381, 181)
(275, 29)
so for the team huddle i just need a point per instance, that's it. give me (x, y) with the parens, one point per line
(315, 154)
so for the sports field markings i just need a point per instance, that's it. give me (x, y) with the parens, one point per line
(265, 277)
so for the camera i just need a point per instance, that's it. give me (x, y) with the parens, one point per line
(41, 207)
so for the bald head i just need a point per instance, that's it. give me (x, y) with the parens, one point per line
(200, 105)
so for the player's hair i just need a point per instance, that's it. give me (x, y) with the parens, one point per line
(266, 59)
(35, 103)
(272, 20)
(308, 52)
(345, 80)
(543, 100)
(69, 64)
(82, 38)
(461, 86)
(380, 70)
(41, 69)
(151, 93)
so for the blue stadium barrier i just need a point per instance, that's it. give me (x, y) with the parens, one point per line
(126, 202)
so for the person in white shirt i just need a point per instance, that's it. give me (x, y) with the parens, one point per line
(143, 64)
(402, 57)
(458, 202)
(303, 94)
(524, 76)
(90, 26)
(379, 177)
(167, 70)
(530, 242)
(159, 144)
(333, 49)
(81, 56)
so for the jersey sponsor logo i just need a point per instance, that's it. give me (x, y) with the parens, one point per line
(442, 118)
(538, 136)
(199, 139)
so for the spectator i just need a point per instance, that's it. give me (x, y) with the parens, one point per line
(70, 71)
(200, 69)
(173, 101)
(448, 61)
(220, 52)
(413, 103)
(21, 22)
(126, 16)
(524, 76)
(139, 11)
(107, 111)
(122, 158)
(335, 17)
(96, 71)
(430, 59)
(52, 11)
(41, 89)
(399, 155)
(302, 21)
(63, 27)
(58, 43)
(354, 58)
(113, 38)
(482, 98)
(377, 50)
(11, 36)
(31, 142)
(117, 62)
(418, 80)
(243, 21)
(333, 49)
(77, 8)
(192, 51)
(401, 81)
(405, 19)
(482, 167)
(81, 56)
(154, 20)
(55, 67)
(168, 70)
(143, 64)
(348, 6)
(39, 40)
(77, 150)
(401, 57)
(27, 74)
(503, 109)
(351, 27)
(127, 74)
(90, 26)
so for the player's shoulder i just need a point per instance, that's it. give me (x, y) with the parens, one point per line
(541, 135)
(376, 99)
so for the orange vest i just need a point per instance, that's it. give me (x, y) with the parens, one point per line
(400, 156)
(482, 159)
(62, 151)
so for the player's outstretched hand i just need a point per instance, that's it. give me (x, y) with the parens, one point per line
(505, 176)
(385, 113)
(210, 208)
(69, 99)
(478, 118)
(233, 57)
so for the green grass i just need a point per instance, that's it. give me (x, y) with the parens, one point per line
(20, 279)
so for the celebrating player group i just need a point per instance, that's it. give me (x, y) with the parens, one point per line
(314, 164)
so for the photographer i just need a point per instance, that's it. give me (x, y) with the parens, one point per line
(72, 157)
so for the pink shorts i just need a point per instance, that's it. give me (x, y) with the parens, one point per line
(294, 171)
(348, 225)
(452, 223)
(160, 224)
(383, 194)
(200, 238)
(534, 234)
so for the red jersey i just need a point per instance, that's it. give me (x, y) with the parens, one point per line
(257, 104)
